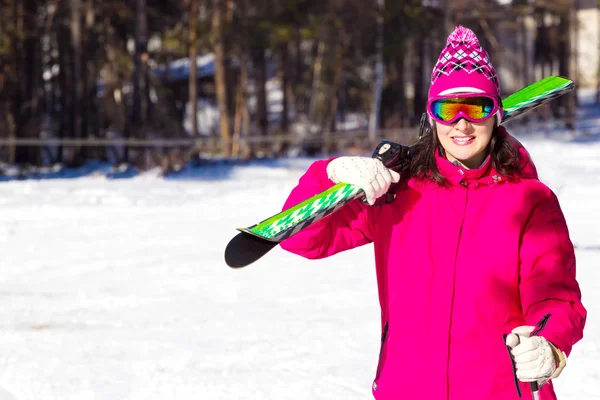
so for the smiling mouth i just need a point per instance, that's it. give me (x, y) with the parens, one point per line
(463, 140)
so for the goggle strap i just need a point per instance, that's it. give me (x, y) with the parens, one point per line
(499, 116)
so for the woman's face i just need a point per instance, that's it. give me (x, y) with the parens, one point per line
(465, 141)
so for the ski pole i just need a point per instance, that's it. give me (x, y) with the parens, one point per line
(535, 390)
(526, 332)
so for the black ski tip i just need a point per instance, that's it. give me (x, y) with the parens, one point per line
(244, 249)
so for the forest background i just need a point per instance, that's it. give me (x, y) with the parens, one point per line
(112, 80)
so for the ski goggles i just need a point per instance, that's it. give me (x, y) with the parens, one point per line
(474, 108)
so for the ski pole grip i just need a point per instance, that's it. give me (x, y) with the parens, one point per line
(525, 332)
(393, 155)
(513, 366)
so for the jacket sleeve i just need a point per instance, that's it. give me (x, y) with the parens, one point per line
(548, 285)
(345, 229)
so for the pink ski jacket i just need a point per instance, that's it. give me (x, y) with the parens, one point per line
(457, 268)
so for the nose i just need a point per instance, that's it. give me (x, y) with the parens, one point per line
(462, 124)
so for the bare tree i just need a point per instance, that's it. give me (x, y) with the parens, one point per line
(76, 62)
(565, 57)
(193, 52)
(241, 118)
(220, 75)
(284, 65)
(241, 106)
(89, 72)
(140, 64)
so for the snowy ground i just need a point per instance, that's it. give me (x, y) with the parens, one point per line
(117, 289)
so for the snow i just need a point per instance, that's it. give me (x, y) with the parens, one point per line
(117, 288)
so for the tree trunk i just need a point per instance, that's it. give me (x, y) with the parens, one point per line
(564, 64)
(62, 38)
(49, 59)
(375, 117)
(193, 80)
(6, 114)
(542, 47)
(116, 118)
(140, 60)
(260, 65)
(420, 95)
(220, 75)
(393, 105)
(33, 75)
(27, 68)
(285, 86)
(524, 51)
(298, 84)
(89, 72)
(31, 50)
(315, 92)
(338, 78)
(227, 43)
(241, 105)
(76, 79)
(18, 99)
(248, 10)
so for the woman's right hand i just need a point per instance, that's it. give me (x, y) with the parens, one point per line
(367, 173)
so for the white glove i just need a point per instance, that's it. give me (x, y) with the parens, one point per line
(367, 173)
(533, 355)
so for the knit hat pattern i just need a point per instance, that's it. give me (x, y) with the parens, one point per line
(463, 66)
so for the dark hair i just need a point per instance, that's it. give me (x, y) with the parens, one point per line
(505, 157)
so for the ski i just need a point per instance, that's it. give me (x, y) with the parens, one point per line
(257, 240)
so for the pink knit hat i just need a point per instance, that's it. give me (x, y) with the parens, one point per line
(463, 67)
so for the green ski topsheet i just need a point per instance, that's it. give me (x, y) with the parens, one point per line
(535, 95)
(286, 223)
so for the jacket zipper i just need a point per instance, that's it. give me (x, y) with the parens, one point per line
(381, 349)
(462, 224)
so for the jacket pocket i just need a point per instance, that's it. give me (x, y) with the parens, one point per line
(382, 350)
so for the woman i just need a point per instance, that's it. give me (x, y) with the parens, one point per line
(472, 256)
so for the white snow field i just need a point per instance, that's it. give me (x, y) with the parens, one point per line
(117, 289)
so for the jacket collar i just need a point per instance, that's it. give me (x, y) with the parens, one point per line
(485, 174)
(458, 175)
